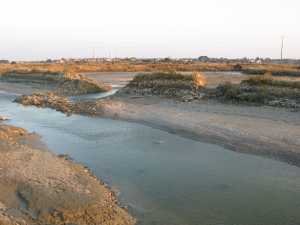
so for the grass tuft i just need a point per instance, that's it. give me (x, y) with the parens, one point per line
(267, 80)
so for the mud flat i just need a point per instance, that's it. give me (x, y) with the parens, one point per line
(37, 187)
(178, 106)
(262, 130)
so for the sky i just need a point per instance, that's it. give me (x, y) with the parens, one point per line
(41, 29)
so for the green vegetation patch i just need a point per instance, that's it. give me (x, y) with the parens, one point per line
(29, 72)
(172, 76)
(262, 90)
(169, 84)
(271, 82)
(279, 73)
(240, 94)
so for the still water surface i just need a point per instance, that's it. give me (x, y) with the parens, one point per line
(166, 179)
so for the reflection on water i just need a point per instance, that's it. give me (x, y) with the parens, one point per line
(94, 96)
(167, 179)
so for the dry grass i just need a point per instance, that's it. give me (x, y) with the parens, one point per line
(169, 84)
(199, 79)
(148, 67)
(169, 79)
(162, 76)
(263, 89)
(268, 80)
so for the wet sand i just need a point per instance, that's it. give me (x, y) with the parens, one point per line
(262, 130)
(38, 187)
(269, 131)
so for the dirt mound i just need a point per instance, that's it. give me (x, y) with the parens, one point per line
(37, 187)
(10, 134)
(174, 85)
(77, 84)
(61, 83)
(49, 100)
(61, 104)
(2, 118)
(32, 76)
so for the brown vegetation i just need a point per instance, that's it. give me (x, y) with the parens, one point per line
(268, 80)
(64, 83)
(119, 67)
(167, 84)
(152, 67)
(60, 103)
(262, 90)
(77, 84)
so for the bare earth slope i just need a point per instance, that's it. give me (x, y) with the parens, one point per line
(37, 187)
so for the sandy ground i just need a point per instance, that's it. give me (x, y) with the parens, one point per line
(37, 187)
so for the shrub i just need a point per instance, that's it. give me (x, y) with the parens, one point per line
(267, 80)
(258, 96)
(199, 79)
(169, 79)
(228, 91)
(254, 71)
(237, 67)
(238, 93)
(161, 76)
(169, 84)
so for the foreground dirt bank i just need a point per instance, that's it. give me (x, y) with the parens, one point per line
(37, 187)
(269, 131)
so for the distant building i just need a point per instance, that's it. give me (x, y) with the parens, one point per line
(63, 60)
(267, 60)
(258, 60)
(203, 59)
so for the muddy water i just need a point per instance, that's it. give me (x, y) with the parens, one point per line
(166, 179)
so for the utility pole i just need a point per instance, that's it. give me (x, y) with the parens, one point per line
(94, 53)
(282, 46)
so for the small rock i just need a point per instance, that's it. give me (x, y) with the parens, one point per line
(187, 98)
(159, 142)
(3, 118)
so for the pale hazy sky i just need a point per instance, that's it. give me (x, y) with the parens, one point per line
(40, 29)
